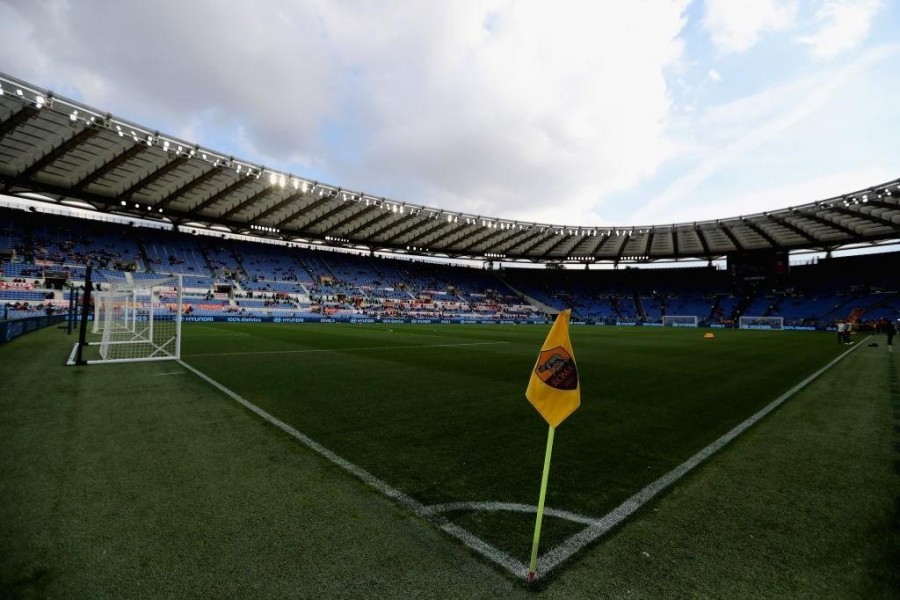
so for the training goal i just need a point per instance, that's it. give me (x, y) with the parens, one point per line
(761, 323)
(679, 321)
(137, 321)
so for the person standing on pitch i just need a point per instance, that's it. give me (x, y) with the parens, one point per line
(889, 331)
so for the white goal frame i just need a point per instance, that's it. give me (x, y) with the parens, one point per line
(138, 321)
(679, 320)
(760, 322)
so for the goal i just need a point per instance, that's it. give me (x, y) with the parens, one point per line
(137, 321)
(679, 321)
(761, 323)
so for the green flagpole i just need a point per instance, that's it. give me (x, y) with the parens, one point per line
(532, 569)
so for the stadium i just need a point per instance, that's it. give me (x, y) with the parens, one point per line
(225, 379)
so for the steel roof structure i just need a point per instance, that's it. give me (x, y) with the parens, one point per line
(66, 151)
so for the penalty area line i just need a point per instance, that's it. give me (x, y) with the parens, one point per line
(554, 557)
(502, 559)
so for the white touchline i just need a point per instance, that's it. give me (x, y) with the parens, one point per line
(346, 349)
(568, 548)
(515, 567)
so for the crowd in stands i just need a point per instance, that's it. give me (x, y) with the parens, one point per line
(269, 280)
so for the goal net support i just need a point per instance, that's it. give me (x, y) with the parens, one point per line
(679, 320)
(761, 322)
(139, 321)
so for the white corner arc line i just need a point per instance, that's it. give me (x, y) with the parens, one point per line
(511, 507)
(569, 547)
(515, 567)
(391, 348)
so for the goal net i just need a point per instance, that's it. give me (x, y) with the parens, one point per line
(761, 323)
(138, 321)
(679, 321)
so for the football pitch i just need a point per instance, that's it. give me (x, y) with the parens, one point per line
(436, 415)
(353, 450)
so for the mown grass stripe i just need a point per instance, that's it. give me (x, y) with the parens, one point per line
(316, 350)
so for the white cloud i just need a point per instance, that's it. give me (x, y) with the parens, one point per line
(736, 25)
(520, 109)
(784, 196)
(844, 24)
(527, 109)
(739, 128)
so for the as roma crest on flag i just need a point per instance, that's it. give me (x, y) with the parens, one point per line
(553, 388)
(556, 368)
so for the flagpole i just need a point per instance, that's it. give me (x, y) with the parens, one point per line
(532, 569)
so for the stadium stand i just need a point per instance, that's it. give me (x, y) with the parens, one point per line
(228, 276)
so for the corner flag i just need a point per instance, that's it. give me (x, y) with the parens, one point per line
(555, 392)
(554, 389)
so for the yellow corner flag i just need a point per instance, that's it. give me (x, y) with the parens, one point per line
(555, 392)
(554, 389)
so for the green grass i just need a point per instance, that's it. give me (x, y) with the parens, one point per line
(449, 423)
(132, 481)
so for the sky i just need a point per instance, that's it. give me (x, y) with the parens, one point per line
(592, 112)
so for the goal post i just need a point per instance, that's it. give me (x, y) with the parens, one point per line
(138, 321)
(751, 322)
(679, 320)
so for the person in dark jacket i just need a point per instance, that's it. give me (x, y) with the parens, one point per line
(887, 326)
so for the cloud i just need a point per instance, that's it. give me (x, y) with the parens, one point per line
(771, 198)
(524, 109)
(714, 75)
(844, 24)
(536, 116)
(735, 26)
(739, 128)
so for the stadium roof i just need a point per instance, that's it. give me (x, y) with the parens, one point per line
(66, 151)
